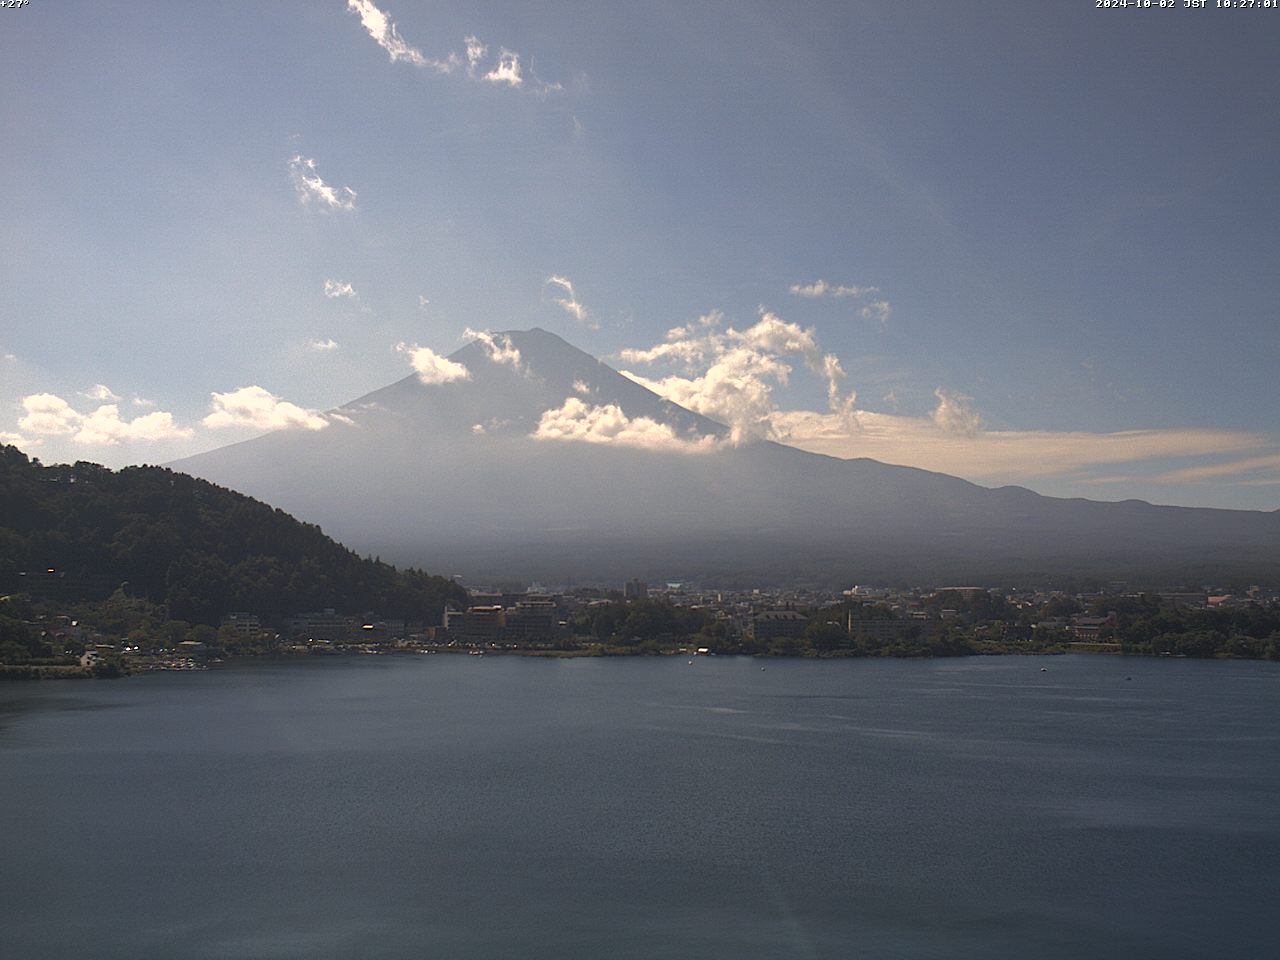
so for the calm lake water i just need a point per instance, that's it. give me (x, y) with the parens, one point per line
(497, 807)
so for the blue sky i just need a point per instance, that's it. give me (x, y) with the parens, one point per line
(1039, 238)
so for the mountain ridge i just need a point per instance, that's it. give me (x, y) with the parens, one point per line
(466, 474)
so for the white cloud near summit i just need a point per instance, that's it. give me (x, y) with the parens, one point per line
(497, 347)
(433, 369)
(576, 421)
(731, 375)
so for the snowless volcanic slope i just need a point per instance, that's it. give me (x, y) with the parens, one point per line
(452, 477)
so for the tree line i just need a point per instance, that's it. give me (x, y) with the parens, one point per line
(197, 548)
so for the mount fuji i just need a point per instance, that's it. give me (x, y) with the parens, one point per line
(530, 458)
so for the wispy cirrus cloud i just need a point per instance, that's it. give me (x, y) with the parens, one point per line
(46, 414)
(820, 288)
(569, 302)
(433, 369)
(878, 310)
(954, 413)
(1259, 470)
(931, 442)
(257, 408)
(384, 32)
(101, 393)
(311, 187)
(504, 70)
(323, 346)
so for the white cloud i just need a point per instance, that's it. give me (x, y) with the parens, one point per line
(878, 310)
(384, 33)
(954, 413)
(735, 376)
(575, 421)
(433, 369)
(47, 413)
(569, 302)
(507, 70)
(820, 288)
(256, 407)
(582, 387)
(50, 415)
(475, 53)
(310, 186)
(105, 427)
(17, 439)
(742, 368)
(422, 301)
(497, 346)
(736, 390)
(143, 402)
(689, 344)
(334, 289)
(101, 393)
(322, 346)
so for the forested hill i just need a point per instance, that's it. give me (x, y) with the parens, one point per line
(200, 548)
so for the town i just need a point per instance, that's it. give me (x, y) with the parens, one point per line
(43, 637)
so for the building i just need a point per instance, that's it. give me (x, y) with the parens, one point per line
(877, 629)
(533, 617)
(322, 625)
(243, 623)
(778, 624)
(635, 590)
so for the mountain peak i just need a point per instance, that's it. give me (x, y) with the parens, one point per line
(513, 378)
(537, 463)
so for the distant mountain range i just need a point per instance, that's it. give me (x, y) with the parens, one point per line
(455, 476)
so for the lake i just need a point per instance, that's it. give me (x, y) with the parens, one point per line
(495, 807)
